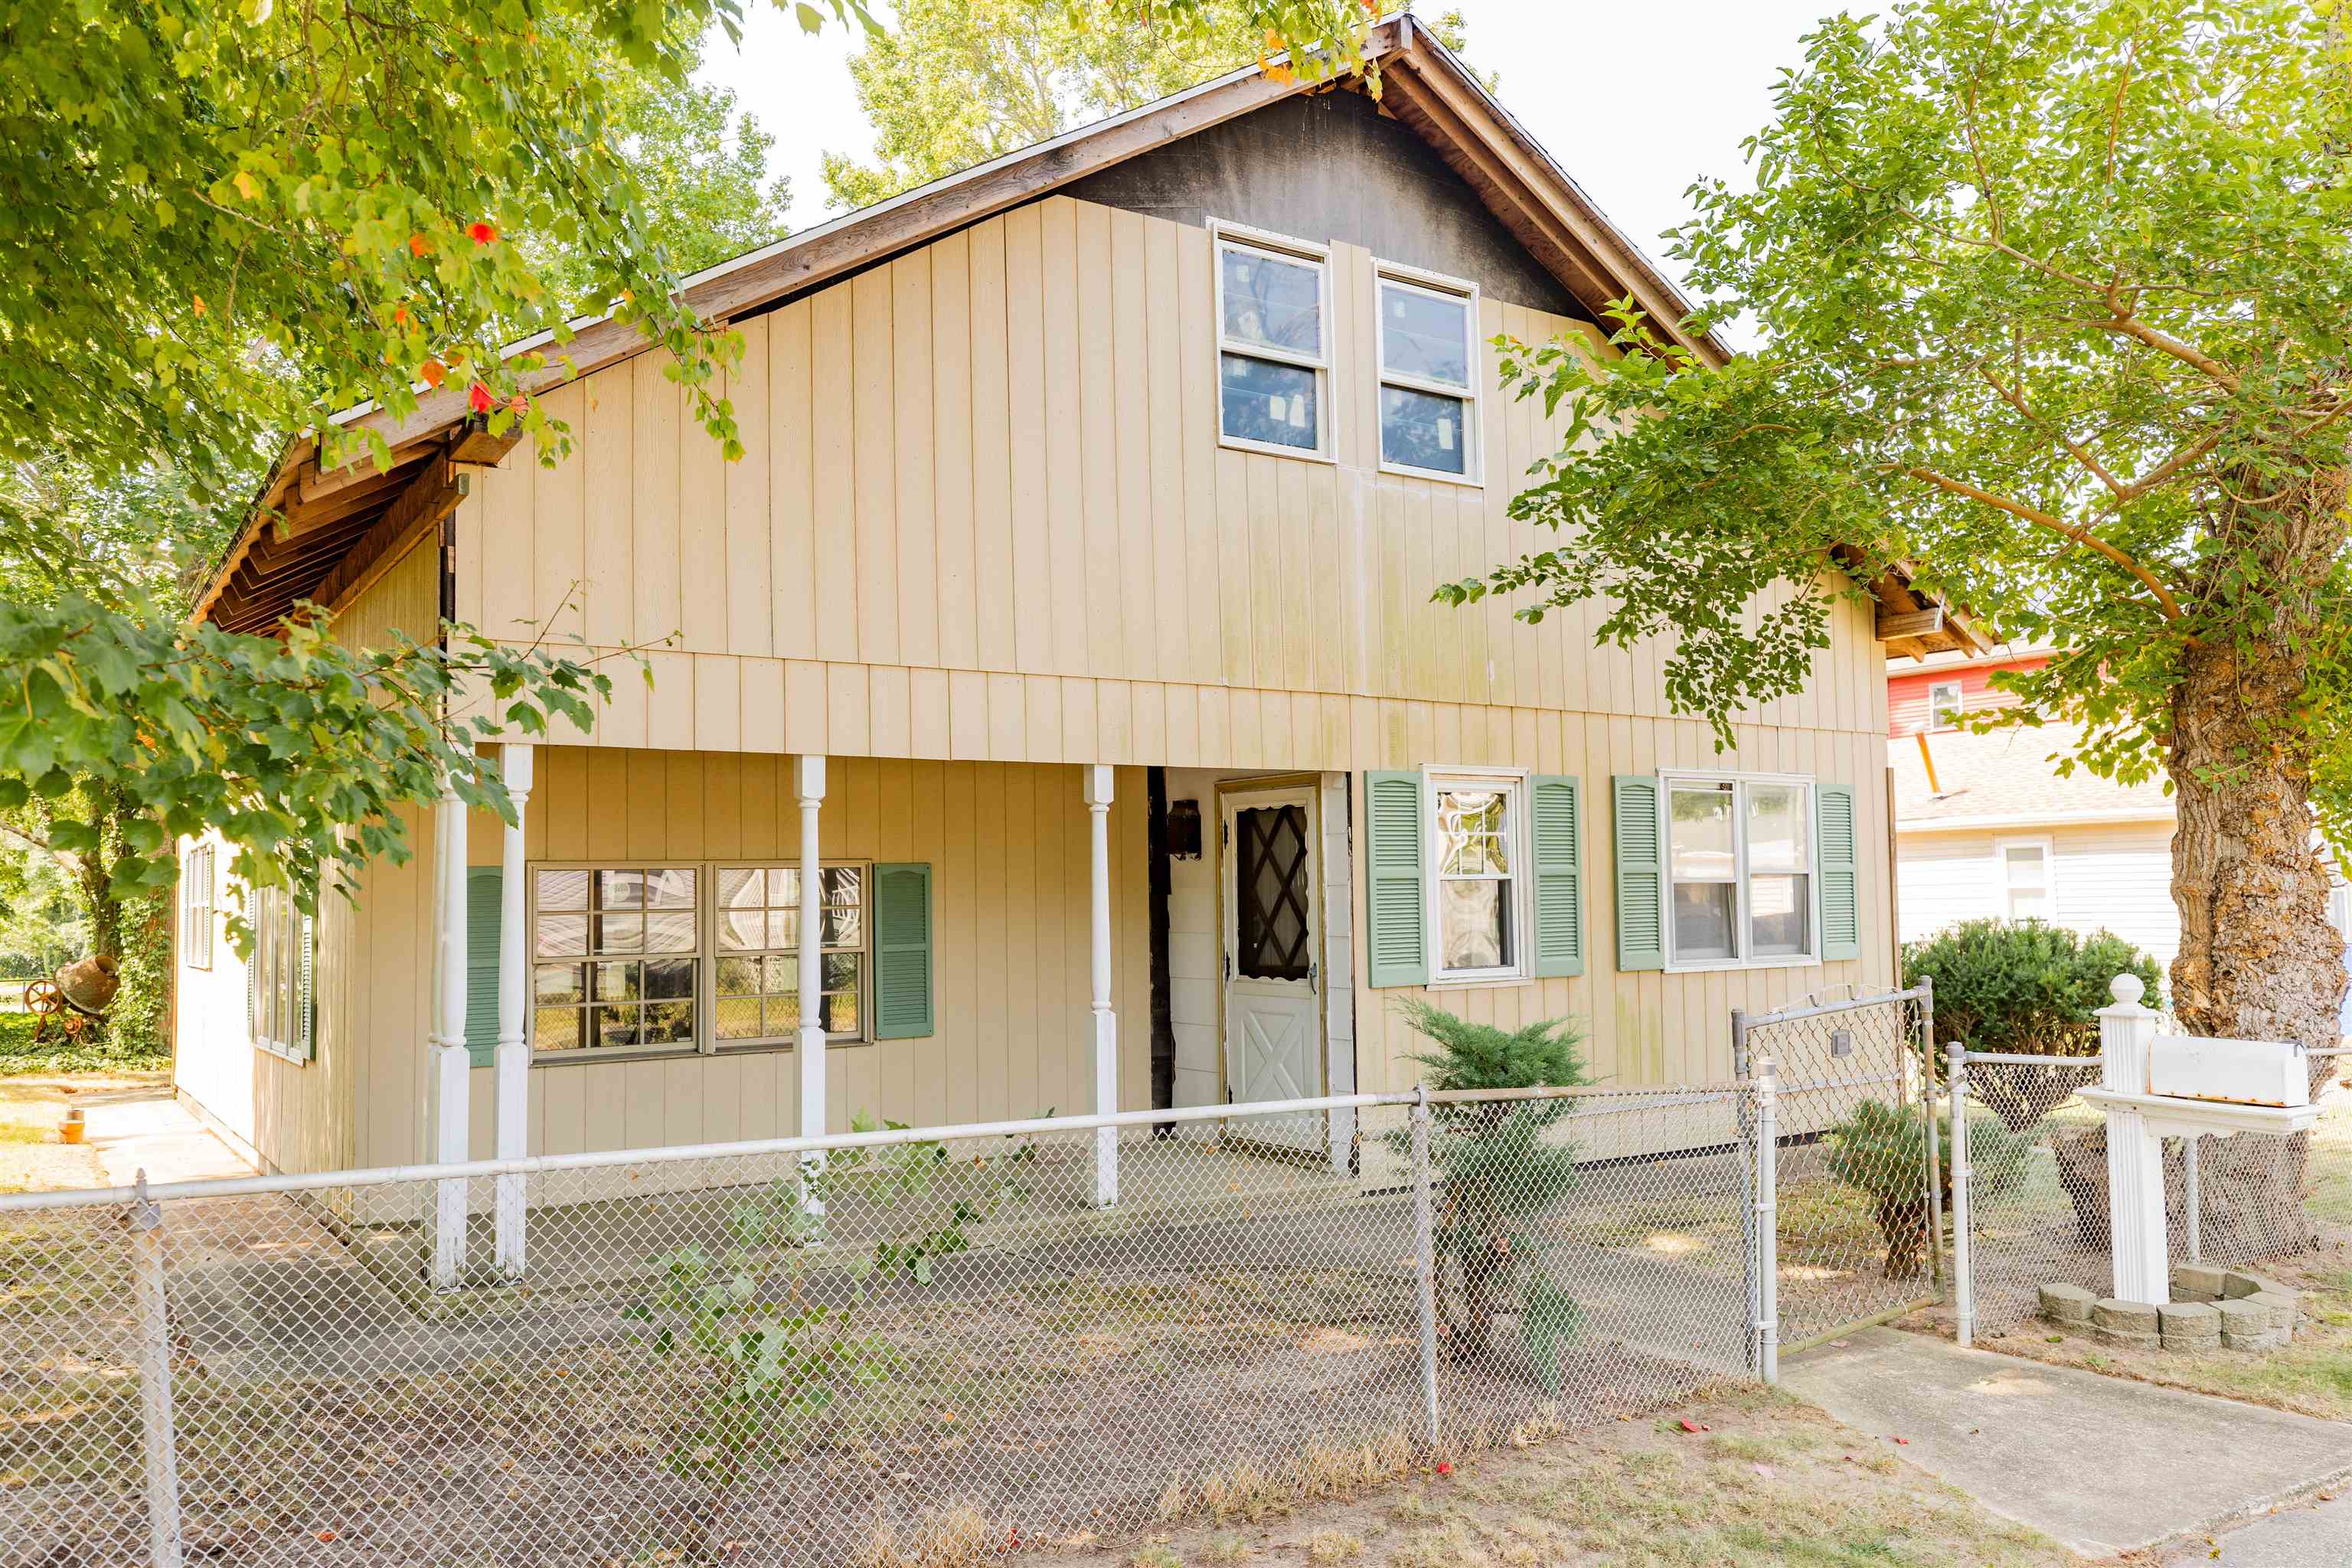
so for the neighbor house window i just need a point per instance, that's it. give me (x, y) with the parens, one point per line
(1274, 346)
(1945, 705)
(1429, 364)
(196, 894)
(278, 980)
(756, 999)
(616, 954)
(1740, 855)
(1474, 875)
(2029, 890)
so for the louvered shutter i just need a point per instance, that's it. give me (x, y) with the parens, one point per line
(1840, 892)
(902, 951)
(483, 886)
(1395, 911)
(1557, 808)
(1641, 873)
(306, 1009)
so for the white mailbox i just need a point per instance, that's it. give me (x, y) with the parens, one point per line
(2242, 1072)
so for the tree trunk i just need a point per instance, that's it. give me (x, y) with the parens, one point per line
(2258, 959)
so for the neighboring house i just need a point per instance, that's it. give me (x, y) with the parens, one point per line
(1986, 826)
(1057, 664)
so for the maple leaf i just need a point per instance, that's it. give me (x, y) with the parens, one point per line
(432, 372)
(482, 233)
(477, 397)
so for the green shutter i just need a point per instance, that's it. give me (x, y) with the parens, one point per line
(902, 951)
(1841, 895)
(1641, 873)
(1394, 908)
(484, 888)
(1558, 809)
(306, 1001)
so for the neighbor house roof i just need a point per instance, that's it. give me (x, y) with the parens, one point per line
(343, 524)
(2008, 778)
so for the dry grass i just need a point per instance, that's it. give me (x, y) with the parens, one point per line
(1769, 1483)
(956, 1538)
(33, 1158)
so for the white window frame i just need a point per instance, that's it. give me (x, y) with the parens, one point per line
(864, 948)
(699, 1042)
(279, 929)
(1741, 935)
(1225, 237)
(199, 895)
(1513, 781)
(1959, 704)
(1473, 424)
(2004, 889)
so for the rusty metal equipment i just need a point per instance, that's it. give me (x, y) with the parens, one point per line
(76, 997)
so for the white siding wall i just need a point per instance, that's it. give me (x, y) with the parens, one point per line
(2114, 876)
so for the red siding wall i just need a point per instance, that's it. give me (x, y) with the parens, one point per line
(1907, 692)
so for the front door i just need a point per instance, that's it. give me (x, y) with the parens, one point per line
(1274, 932)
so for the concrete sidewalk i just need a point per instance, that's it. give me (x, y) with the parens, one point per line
(2104, 1464)
(154, 1133)
(2315, 1537)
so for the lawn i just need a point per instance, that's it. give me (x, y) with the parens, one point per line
(33, 1158)
(1763, 1482)
(21, 1053)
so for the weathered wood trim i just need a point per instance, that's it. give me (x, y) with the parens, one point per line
(1895, 624)
(431, 496)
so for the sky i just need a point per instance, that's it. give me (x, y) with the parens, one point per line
(1634, 138)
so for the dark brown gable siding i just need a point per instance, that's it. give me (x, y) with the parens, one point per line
(1330, 167)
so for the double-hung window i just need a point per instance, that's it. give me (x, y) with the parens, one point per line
(1740, 855)
(2029, 891)
(197, 885)
(278, 980)
(1428, 376)
(757, 994)
(616, 956)
(1474, 875)
(1273, 345)
(1945, 705)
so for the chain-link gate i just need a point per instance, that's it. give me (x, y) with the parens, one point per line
(1858, 1187)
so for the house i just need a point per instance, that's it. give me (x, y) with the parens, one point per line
(1053, 714)
(1986, 824)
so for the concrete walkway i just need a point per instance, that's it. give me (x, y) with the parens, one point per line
(2104, 1464)
(154, 1133)
(2317, 1537)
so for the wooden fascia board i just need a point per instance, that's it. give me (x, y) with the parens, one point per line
(430, 497)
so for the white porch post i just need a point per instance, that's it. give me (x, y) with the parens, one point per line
(451, 1114)
(1094, 780)
(808, 783)
(2135, 1151)
(514, 987)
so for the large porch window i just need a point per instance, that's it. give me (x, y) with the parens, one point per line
(758, 990)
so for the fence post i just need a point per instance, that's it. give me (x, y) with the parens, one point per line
(1425, 1246)
(1935, 1139)
(1767, 1290)
(1745, 1114)
(155, 1377)
(1964, 1282)
(2192, 1198)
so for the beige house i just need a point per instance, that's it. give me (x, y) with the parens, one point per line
(1053, 688)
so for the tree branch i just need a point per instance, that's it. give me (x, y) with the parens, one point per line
(2082, 454)
(2081, 535)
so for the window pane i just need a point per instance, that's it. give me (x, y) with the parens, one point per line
(620, 890)
(783, 928)
(840, 970)
(840, 1014)
(738, 1018)
(743, 928)
(1270, 403)
(1423, 430)
(615, 1026)
(670, 933)
(670, 889)
(1777, 839)
(739, 977)
(1701, 825)
(620, 934)
(558, 983)
(1473, 837)
(2026, 864)
(1703, 916)
(1424, 335)
(2029, 904)
(668, 978)
(562, 936)
(1780, 915)
(1273, 301)
(741, 889)
(1474, 918)
(784, 975)
(563, 889)
(844, 885)
(556, 1028)
(669, 1024)
(844, 928)
(618, 982)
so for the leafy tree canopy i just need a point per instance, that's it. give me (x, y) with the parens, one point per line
(957, 82)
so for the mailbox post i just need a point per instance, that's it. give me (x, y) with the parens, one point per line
(2154, 1086)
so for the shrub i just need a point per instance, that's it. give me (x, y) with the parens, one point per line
(1498, 1172)
(1881, 1151)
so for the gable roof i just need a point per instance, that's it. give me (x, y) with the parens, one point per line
(343, 525)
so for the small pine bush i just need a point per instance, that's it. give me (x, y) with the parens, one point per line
(1881, 1151)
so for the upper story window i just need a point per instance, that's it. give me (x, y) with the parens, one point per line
(1475, 874)
(197, 885)
(1429, 364)
(1740, 855)
(1945, 705)
(1274, 343)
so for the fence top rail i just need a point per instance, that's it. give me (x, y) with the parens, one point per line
(1652, 1096)
(1822, 1009)
(2015, 1059)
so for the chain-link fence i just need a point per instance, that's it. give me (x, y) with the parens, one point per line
(2033, 1159)
(911, 1347)
(1859, 1183)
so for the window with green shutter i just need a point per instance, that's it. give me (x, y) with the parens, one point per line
(902, 950)
(1395, 911)
(483, 887)
(1640, 865)
(1841, 890)
(1556, 808)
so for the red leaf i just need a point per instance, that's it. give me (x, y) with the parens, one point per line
(1690, 1425)
(1444, 1467)
(419, 245)
(478, 398)
(432, 373)
(324, 1534)
(482, 233)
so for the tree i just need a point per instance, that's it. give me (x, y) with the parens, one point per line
(2053, 298)
(957, 82)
